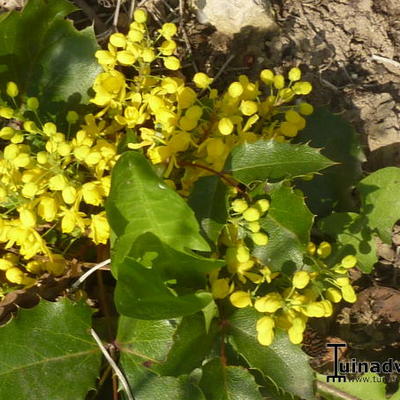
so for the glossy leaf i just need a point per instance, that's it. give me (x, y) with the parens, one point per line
(46, 56)
(271, 160)
(283, 362)
(141, 202)
(187, 268)
(288, 225)
(339, 142)
(47, 352)
(353, 236)
(381, 201)
(221, 382)
(208, 201)
(142, 293)
(191, 345)
(144, 347)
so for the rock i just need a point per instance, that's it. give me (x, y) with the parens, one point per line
(230, 16)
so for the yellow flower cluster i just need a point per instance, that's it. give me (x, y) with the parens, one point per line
(285, 302)
(186, 132)
(49, 182)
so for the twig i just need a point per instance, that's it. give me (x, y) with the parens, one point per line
(141, 3)
(222, 69)
(185, 36)
(116, 14)
(386, 60)
(113, 365)
(88, 273)
(132, 9)
(323, 387)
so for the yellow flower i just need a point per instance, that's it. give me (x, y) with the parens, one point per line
(92, 194)
(324, 249)
(259, 239)
(240, 299)
(58, 182)
(225, 126)
(172, 63)
(300, 279)
(294, 74)
(27, 217)
(32, 103)
(47, 208)
(12, 89)
(349, 262)
(267, 76)
(239, 205)
(202, 80)
(305, 108)
(15, 275)
(348, 293)
(99, 228)
(235, 89)
(5, 264)
(126, 58)
(311, 248)
(279, 81)
(29, 190)
(262, 205)
(333, 295)
(220, 288)
(265, 330)
(168, 30)
(186, 97)
(167, 47)
(251, 214)
(303, 88)
(69, 194)
(248, 107)
(269, 303)
(140, 15)
(118, 40)
(6, 112)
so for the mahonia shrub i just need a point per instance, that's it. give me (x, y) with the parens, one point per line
(56, 183)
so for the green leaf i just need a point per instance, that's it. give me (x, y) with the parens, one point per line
(270, 160)
(288, 224)
(381, 201)
(220, 382)
(339, 142)
(48, 353)
(142, 293)
(365, 387)
(191, 344)
(208, 200)
(283, 362)
(140, 202)
(187, 268)
(353, 236)
(46, 56)
(144, 346)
